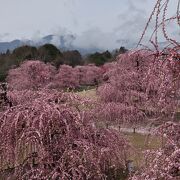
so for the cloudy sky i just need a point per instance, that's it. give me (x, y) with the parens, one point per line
(101, 23)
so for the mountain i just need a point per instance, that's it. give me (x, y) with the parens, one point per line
(64, 43)
(4, 46)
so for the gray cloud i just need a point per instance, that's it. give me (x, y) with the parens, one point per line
(95, 38)
(4, 35)
(101, 24)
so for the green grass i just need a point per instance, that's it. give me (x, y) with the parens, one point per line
(139, 141)
(140, 144)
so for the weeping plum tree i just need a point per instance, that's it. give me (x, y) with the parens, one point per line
(163, 163)
(145, 86)
(66, 77)
(148, 94)
(50, 135)
(106, 69)
(145, 83)
(36, 74)
(69, 77)
(89, 74)
(30, 75)
(122, 94)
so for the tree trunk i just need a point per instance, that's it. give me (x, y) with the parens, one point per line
(107, 125)
(134, 130)
(119, 128)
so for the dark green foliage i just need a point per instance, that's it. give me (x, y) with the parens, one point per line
(25, 52)
(119, 174)
(72, 58)
(59, 60)
(99, 58)
(5, 64)
(3, 77)
(48, 53)
(121, 50)
(15, 58)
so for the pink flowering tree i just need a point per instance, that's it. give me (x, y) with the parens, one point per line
(145, 83)
(66, 77)
(50, 135)
(106, 69)
(30, 75)
(89, 74)
(162, 82)
(123, 94)
(163, 163)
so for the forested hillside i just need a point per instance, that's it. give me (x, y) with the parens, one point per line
(49, 53)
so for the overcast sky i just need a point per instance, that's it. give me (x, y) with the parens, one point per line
(92, 21)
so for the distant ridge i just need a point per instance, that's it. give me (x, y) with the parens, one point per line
(64, 43)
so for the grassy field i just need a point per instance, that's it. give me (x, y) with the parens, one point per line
(88, 93)
(140, 144)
